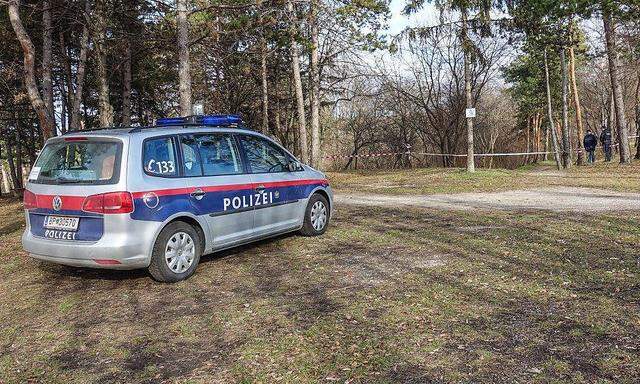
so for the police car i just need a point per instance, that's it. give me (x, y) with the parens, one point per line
(159, 197)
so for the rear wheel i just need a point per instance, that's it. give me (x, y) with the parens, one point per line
(176, 253)
(316, 216)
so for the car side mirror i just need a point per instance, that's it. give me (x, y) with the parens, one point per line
(294, 166)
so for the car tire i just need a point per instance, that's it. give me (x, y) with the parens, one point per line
(317, 209)
(176, 253)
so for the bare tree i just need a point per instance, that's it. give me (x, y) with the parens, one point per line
(618, 96)
(315, 86)
(46, 120)
(47, 44)
(637, 156)
(126, 84)
(554, 133)
(566, 143)
(578, 106)
(104, 105)
(263, 69)
(297, 83)
(183, 58)
(75, 91)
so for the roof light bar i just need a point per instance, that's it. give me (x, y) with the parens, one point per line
(215, 120)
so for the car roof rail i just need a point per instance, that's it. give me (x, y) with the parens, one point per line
(91, 130)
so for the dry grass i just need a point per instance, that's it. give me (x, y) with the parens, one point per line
(387, 295)
(623, 178)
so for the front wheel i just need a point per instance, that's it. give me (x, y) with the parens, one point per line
(316, 216)
(176, 253)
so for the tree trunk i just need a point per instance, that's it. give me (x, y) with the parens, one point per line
(535, 137)
(68, 78)
(12, 169)
(638, 118)
(263, 71)
(546, 145)
(126, 86)
(276, 117)
(19, 175)
(297, 84)
(2, 174)
(468, 96)
(528, 140)
(47, 123)
(315, 87)
(183, 60)
(265, 88)
(554, 134)
(566, 141)
(538, 136)
(5, 178)
(603, 112)
(105, 109)
(47, 43)
(576, 101)
(637, 156)
(618, 97)
(74, 121)
(64, 109)
(611, 121)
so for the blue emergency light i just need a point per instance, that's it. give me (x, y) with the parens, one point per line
(212, 120)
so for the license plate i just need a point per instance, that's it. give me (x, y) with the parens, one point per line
(61, 222)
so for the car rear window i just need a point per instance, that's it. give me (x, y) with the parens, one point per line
(78, 162)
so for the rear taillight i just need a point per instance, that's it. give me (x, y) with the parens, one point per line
(30, 200)
(112, 202)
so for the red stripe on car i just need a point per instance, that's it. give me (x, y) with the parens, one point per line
(69, 203)
(74, 203)
(231, 187)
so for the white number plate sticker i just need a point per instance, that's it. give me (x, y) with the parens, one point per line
(61, 222)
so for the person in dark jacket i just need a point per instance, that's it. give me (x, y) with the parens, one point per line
(605, 140)
(590, 141)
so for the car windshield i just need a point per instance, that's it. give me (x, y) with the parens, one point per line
(78, 162)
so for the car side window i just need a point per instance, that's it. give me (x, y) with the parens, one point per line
(191, 163)
(263, 156)
(218, 155)
(159, 157)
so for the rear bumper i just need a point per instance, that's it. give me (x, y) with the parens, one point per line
(90, 263)
(128, 250)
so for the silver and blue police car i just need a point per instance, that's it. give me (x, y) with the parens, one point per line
(160, 197)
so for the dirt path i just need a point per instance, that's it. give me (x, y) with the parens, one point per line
(553, 199)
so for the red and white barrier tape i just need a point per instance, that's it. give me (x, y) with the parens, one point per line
(365, 155)
(370, 155)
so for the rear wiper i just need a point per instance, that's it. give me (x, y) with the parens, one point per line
(68, 181)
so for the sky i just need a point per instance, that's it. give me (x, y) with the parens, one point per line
(399, 21)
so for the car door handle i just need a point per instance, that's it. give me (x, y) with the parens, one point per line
(198, 194)
(260, 188)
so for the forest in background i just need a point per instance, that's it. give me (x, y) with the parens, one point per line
(326, 79)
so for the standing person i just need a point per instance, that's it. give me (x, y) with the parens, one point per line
(590, 141)
(605, 140)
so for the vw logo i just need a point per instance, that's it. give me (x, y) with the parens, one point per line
(57, 203)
